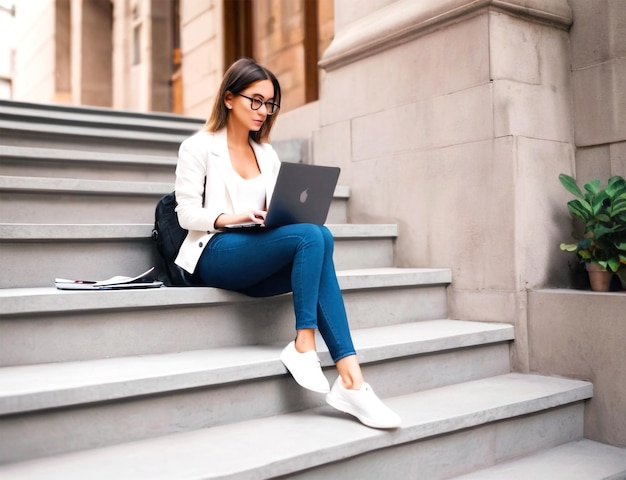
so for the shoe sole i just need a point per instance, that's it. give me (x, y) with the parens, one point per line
(346, 407)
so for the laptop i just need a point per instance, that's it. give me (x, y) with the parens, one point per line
(302, 194)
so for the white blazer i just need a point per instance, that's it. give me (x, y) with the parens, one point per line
(206, 155)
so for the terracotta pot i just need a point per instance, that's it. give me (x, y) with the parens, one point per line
(621, 273)
(599, 277)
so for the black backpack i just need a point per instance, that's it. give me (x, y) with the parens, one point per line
(169, 236)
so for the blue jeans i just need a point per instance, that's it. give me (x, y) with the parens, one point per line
(294, 258)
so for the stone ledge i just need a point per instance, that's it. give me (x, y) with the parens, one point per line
(12, 127)
(407, 19)
(88, 186)
(81, 186)
(581, 334)
(20, 301)
(586, 293)
(393, 277)
(48, 107)
(356, 230)
(79, 232)
(279, 445)
(94, 118)
(90, 157)
(36, 387)
(581, 460)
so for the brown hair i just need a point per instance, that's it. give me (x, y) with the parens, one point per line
(239, 76)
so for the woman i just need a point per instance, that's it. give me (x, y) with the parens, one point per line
(226, 175)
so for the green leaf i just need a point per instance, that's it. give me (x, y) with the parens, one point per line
(602, 263)
(600, 231)
(593, 186)
(618, 206)
(598, 202)
(580, 209)
(613, 264)
(570, 185)
(569, 247)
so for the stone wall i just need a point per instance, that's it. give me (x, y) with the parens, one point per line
(202, 47)
(7, 48)
(452, 119)
(598, 45)
(142, 55)
(91, 51)
(582, 335)
(35, 61)
(64, 52)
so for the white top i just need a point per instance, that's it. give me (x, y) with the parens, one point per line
(204, 156)
(250, 193)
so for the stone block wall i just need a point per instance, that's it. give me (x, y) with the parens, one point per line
(91, 52)
(65, 52)
(598, 48)
(35, 62)
(142, 55)
(582, 335)
(7, 48)
(202, 47)
(453, 120)
(457, 130)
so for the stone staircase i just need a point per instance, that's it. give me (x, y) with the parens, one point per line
(186, 382)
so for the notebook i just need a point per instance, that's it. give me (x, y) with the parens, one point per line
(302, 194)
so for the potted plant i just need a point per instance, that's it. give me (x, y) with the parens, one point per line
(602, 247)
(621, 273)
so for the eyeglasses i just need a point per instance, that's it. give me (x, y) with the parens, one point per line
(256, 103)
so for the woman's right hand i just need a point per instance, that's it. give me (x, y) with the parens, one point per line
(251, 216)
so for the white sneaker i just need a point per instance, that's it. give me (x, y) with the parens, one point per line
(363, 404)
(305, 368)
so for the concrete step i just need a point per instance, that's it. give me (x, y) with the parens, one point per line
(443, 431)
(64, 163)
(580, 460)
(99, 129)
(70, 200)
(41, 325)
(103, 165)
(83, 137)
(55, 113)
(79, 200)
(197, 389)
(102, 130)
(105, 250)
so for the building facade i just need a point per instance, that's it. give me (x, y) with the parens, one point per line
(165, 55)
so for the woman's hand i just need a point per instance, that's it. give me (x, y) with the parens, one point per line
(251, 216)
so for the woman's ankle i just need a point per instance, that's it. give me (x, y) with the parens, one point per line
(352, 384)
(305, 340)
(350, 373)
